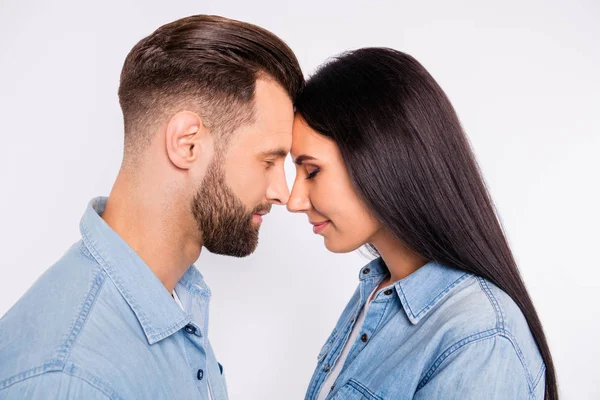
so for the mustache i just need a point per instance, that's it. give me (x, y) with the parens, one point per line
(261, 208)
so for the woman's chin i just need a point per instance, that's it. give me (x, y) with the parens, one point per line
(337, 246)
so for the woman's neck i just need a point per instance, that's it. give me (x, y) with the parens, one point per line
(400, 260)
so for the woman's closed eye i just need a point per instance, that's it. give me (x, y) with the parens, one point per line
(312, 171)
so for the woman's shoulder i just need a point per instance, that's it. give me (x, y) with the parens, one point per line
(481, 314)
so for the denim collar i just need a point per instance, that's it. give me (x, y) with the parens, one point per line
(157, 312)
(422, 290)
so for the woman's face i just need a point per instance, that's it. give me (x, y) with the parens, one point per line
(324, 192)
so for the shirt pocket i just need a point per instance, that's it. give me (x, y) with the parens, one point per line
(327, 346)
(354, 390)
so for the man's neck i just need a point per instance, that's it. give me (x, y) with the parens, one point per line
(153, 229)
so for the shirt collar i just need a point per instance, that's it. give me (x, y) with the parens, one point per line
(425, 288)
(422, 290)
(157, 312)
(374, 269)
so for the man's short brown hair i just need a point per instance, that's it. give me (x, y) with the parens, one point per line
(207, 64)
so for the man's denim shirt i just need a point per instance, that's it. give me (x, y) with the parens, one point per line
(439, 333)
(100, 325)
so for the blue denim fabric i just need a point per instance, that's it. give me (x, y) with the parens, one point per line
(439, 333)
(99, 324)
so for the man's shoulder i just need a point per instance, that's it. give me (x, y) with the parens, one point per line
(41, 328)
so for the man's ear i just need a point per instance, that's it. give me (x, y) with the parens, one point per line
(187, 139)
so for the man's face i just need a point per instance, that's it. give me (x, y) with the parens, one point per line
(242, 184)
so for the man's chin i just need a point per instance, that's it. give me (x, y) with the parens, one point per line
(240, 251)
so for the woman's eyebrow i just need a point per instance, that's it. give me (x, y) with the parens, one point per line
(300, 159)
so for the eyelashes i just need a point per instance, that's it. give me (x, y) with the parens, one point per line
(313, 173)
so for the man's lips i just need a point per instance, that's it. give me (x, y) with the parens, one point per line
(258, 216)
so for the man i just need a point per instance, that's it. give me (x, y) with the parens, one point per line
(207, 105)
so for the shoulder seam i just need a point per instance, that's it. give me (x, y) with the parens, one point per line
(508, 336)
(71, 371)
(539, 375)
(491, 333)
(493, 301)
(433, 303)
(92, 380)
(75, 329)
(454, 348)
(531, 382)
(85, 252)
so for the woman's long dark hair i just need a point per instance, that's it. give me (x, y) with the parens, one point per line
(411, 163)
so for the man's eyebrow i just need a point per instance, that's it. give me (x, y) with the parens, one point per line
(277, 153)
(300, 159)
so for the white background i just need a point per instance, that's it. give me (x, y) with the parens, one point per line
(523, 76)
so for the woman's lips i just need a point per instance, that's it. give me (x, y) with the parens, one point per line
(319, 226)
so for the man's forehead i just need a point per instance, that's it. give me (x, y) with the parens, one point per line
(273, 108)
(276, 121)
(261, 130)
(263, 142)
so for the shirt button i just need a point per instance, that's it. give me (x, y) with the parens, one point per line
(200, 374)
(332, 387)
(388, 292)
(190, 329)
(364, 337)
(327, 368)
(366, 270)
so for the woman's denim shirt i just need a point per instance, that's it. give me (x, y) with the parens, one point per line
(440, 333)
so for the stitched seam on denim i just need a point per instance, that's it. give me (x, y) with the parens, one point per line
(86, 253)
(318, 371)
(437, 298)
(486, 289)
(387, 305)
(313, 382)
(375, 330)
(327, 346)
(187, 345)
(452, 349)
(46, 369)
(372, 275)
(351, 316)
(405, 302)
(92, 248)
(540, 373)
(64, 352)
(335, 350)
(192, 288)
(92, 380)
(383, 313)
(154, 337)
(521, 357)
(363, 389)
(50, 366)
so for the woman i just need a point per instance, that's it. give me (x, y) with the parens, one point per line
(443, 313)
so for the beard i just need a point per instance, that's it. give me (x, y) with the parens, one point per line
(223, 221)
